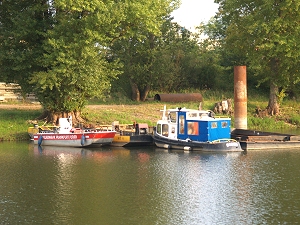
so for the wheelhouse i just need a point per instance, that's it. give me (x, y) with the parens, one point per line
(195, 125)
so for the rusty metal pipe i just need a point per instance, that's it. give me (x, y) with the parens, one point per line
(240, 97)
(196, 97)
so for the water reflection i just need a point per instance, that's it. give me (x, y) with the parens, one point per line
(53, 185)
(58, 151)
(192, 181)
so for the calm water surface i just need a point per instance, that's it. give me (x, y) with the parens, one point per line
(147, 186)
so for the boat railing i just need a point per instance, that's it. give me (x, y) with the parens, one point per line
(124, 127)
(47, 131)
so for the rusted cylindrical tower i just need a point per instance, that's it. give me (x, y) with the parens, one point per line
(240, 97)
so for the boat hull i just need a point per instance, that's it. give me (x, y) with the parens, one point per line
(73, 139)
(103, 138)
(132, 140)
(216, 146)
(263, 145)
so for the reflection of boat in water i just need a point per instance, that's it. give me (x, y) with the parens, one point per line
(100, 154)
(57, 150)
(189, 129)
(202, 155)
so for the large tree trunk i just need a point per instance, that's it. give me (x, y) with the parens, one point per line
(144, 92)
(135, 96)
(53, 118)
(273, 106)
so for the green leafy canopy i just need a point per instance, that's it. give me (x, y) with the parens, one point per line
(61, 49)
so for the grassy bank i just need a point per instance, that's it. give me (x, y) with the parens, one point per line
(15, 121)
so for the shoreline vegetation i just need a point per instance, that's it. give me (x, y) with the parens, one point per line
(17, 117)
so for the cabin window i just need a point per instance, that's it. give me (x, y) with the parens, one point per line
(172, 117)
(158, 128)
(181, 124)
(203, 115)
(224, 124)
(193, 128)
(192, 115)
(214, 125)
(165, 130)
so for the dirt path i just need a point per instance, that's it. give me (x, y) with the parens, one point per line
(20, 106)
(111, 107)
(147, 112)
(38, 106)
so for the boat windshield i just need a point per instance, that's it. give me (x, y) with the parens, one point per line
(162, 129)
(158, 128)
(172, 117)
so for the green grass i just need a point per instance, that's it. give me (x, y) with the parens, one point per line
(14, 122)
(14, 125)
(266, 124)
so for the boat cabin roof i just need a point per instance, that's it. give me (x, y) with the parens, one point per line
(193, 114)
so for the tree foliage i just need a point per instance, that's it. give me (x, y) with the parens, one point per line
(170, 62)
(22, 32)
(61, 49)
(144, 60)
(76, 58)
(265, 35)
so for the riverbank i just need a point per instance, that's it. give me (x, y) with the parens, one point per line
(16, 118)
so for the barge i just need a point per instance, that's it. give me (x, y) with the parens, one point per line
(259, 140)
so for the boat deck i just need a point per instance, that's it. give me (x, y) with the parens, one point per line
(257, 140)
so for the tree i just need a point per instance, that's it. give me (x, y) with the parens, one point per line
(144, 59)
(266, 34)
(22, 32)
(168, 62)
(74, 59)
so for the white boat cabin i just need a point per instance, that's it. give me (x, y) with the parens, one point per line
(195, 125)
(65, 125)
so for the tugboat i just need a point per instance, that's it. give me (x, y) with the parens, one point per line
(194, 130)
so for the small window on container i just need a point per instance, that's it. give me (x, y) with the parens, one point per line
(214, 125)
(224, 124)
(193, 128)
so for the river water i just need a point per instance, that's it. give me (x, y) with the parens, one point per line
(147, 186)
